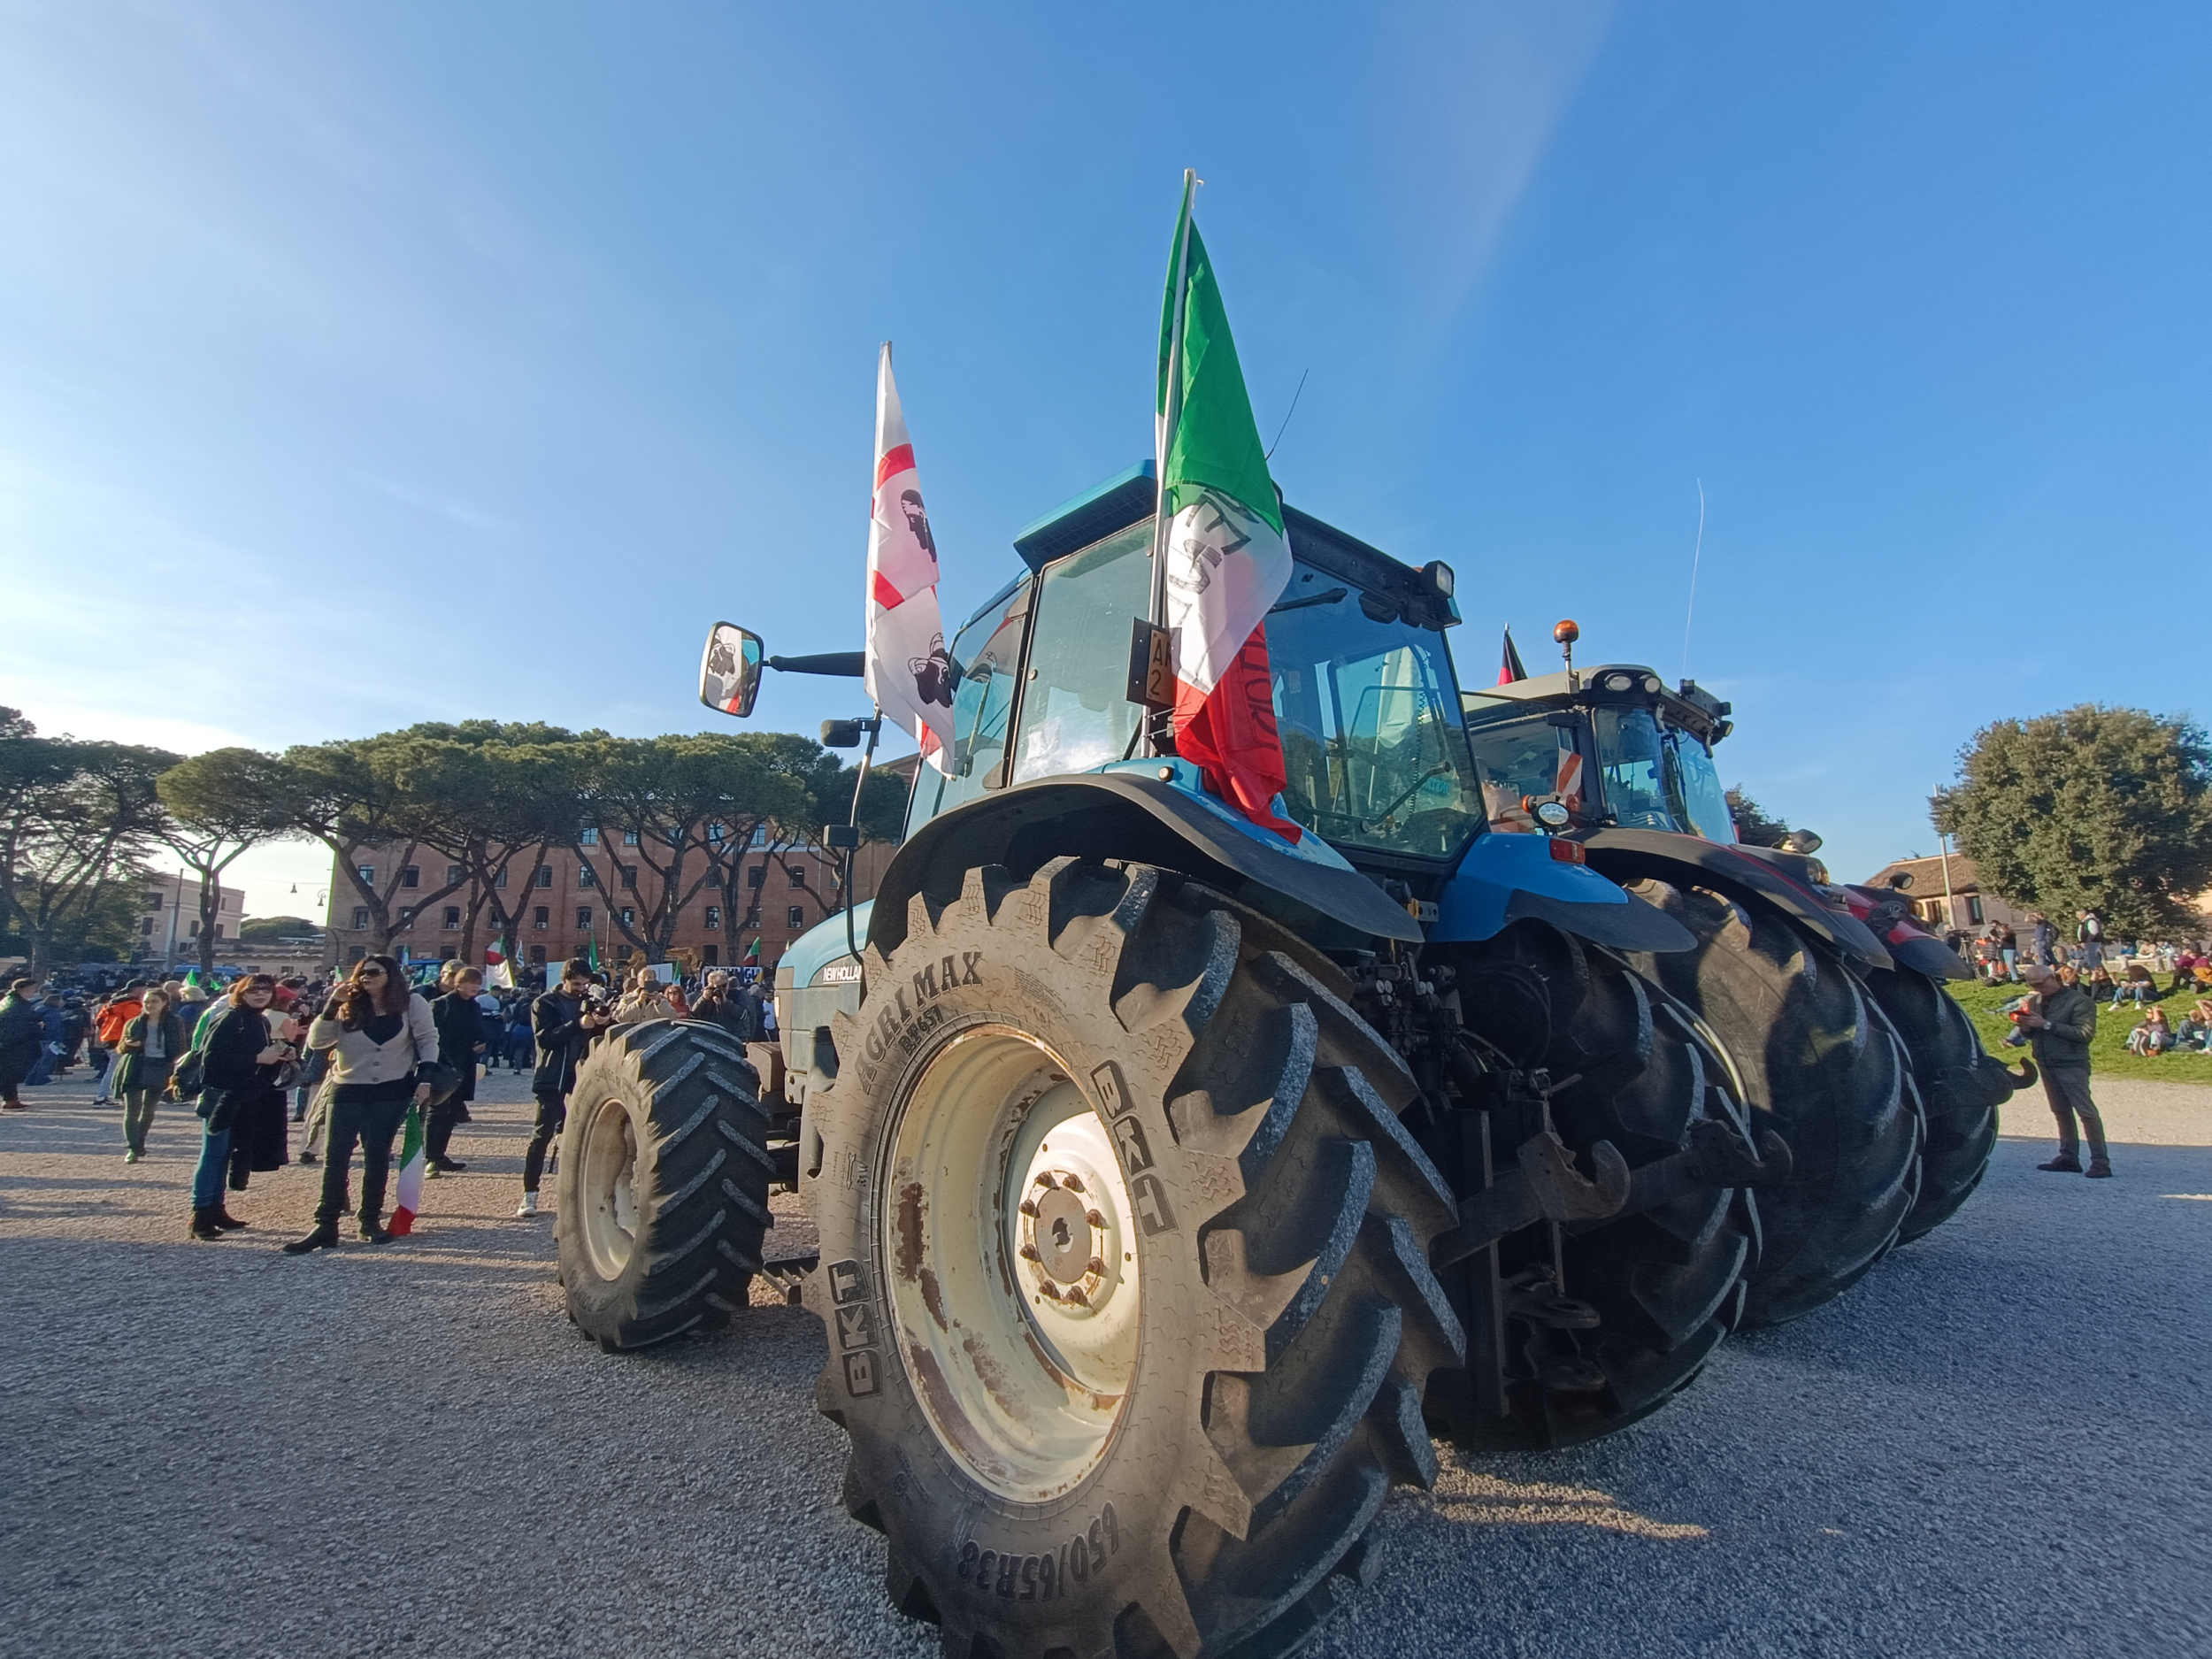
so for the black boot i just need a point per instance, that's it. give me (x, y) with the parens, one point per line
(2099, 1170)
(203, 1226)
(224, 1219)
(2064, 1164)
(374, 1230)
(325, 1237)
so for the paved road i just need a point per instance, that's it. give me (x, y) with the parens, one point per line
(1998, 1444)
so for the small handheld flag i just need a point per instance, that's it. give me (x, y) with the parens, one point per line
(407, 1190)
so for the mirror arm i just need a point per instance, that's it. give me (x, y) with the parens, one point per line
(842, 664)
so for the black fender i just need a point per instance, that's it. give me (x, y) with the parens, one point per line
(1628, 855)
(1909, 943)
(1140, 820)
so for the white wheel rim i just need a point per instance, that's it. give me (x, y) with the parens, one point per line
(609, 1188)
(1011, 1249)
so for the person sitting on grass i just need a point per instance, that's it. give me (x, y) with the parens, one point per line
(2154, 1035)
(2193, 1029)
(2101, 985)
(2135, 982)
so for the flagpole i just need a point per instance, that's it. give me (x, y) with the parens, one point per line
(1170, 416)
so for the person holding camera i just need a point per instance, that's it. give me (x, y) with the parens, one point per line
(566, 1021)
(241, 1060)
(2059, 1021)
(380, 1036)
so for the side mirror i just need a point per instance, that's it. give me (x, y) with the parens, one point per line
(729, 673)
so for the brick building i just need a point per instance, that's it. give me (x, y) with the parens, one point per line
(779, 895)
(1962, 905)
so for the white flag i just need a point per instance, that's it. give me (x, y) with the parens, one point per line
(909, 670)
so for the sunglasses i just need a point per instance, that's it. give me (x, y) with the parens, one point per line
(370, 973)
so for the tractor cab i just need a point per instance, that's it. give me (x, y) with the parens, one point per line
(1609, 746)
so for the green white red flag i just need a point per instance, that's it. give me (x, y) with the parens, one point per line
(407, 1190)
(1222, 552)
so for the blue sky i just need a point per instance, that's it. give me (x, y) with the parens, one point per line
(373, 364)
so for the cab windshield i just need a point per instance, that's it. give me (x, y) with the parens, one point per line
(1373, 742)
(1659, 776)
(987, 653)
(1698, 785)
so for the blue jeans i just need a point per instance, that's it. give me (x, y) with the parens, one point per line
(207, 1181)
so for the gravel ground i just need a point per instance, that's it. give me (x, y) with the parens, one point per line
(1996, 1445)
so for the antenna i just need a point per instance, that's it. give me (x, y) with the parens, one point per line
(1689, 613)
(1288, 413)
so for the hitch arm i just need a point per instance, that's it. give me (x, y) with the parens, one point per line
(1547, 1186)
(1717, 1155)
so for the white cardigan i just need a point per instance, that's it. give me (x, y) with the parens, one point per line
(356, 1058)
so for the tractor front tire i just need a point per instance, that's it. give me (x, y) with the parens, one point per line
(1961, 1086)
(663, 1184)
(1125, 1271)
(1819, 1063)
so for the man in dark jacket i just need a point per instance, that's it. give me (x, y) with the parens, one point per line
(2060, 1022)
(464, 1034)
(565, 1024)
(728, 1007)
(22, 1034)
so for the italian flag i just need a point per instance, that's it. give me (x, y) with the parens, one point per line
(752, 951)
(407, 1193)
(1221, 555)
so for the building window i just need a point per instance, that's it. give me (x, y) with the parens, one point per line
(1973, 910)
(447, 953)
(710, 955)
(583, 916)
(541, 917)
(588, 838)
(154, 900)
(759, 837)
(752, 916)
(452, 916)
(406, 918)
(219, 927)
(629, 875)
(754, 874)
(499, 876)
(537, 953)
(354, 953)
(715, 832)
(147, 927)
(714, 880)
(545, 875)
(798, 875)
(410, 877)
(360, 916)
(584, 877)
(629, 917)
(798, 916)
(454, 874)
(714, 916)
(367, 872)
(629, 838)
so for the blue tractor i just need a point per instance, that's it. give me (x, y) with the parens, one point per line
(1179, 1186)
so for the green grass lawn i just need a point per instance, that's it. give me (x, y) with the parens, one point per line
(2108, 1054)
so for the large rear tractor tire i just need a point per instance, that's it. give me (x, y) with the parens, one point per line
(1961, 1086)
(1627, 1066)
(663, 1184)
(1125, 1271)
(1819, 1063)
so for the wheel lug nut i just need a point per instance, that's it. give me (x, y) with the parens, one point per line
(1095, 1218)
(1046, 1181)
(1074, 1184)
(1076, 1295)
(1096, 1267)
(1029, 1254)
(1050, 1289)
(1028, 1207)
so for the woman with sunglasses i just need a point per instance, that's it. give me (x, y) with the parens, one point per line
(378, 1033)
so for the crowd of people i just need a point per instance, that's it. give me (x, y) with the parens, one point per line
(349, 1059)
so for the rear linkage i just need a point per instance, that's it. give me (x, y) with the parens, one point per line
(1543, 1184)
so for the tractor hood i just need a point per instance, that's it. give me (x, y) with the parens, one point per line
(1507, 877)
